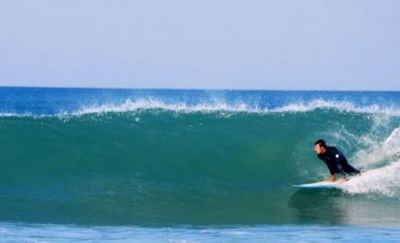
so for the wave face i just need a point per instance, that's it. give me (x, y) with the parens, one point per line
(168, 157)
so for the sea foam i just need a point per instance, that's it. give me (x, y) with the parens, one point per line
(238, 106)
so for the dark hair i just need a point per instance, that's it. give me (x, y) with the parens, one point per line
(320, 142)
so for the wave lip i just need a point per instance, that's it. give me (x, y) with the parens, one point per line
(213, 106)
(343, 106)
(223, 106)
(15, 114)
(147, 104)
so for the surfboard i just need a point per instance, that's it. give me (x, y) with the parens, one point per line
(320, 185)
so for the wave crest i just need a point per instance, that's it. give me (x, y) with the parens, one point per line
(215, 106)
(223, 106)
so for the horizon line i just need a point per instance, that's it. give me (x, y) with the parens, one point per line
(194, 89)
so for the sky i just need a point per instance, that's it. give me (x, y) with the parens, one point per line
(203, 44)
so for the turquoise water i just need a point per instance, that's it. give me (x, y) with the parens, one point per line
(154, 161)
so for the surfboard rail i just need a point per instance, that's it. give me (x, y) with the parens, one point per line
(321, 185)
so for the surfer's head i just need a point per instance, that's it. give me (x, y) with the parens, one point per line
(320, 146)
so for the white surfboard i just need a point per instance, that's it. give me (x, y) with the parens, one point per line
(321, 185)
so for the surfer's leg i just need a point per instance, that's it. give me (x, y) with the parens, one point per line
(348, 169)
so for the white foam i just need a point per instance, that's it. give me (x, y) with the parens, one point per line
(378, 152)
(146, 104)
(216, 105)
(394, 139)
(11, 114)
(343, 106)
(223, 106)
(25, 114)
(383, 181)
(381, 165)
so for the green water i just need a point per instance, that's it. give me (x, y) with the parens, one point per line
(157, 167)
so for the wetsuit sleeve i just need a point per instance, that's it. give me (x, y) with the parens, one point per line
(329, 163)
(331, 167)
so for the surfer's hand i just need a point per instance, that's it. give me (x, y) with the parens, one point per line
(332, 179)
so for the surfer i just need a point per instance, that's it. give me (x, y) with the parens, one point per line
(334, 159)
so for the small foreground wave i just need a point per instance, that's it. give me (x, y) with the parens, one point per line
(263, 233)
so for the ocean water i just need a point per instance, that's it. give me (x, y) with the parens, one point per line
(195, 165)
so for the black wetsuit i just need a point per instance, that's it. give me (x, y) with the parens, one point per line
(336, 162)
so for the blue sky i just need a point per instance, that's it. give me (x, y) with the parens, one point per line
(220, 44)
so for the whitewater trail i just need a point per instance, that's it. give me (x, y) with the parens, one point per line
(384, 180)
